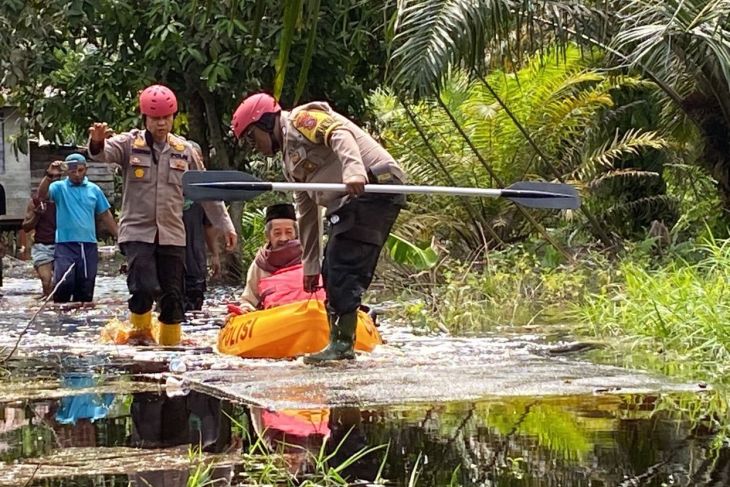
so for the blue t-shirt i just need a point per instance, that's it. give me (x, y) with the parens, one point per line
(76, 209)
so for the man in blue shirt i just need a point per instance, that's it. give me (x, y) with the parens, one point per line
(78, 202)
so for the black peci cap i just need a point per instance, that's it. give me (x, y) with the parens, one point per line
(281, 210)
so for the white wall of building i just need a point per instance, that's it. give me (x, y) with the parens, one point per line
(14, 167)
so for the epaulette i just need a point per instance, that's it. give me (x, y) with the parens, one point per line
(315, 125)
(139, 142)
(176, 143)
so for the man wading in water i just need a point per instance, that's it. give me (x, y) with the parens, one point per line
(151, 231)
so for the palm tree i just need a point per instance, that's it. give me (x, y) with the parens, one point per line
(573, 115)
(681, 45)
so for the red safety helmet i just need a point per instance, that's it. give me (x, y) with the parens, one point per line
(157, 101)
(251, 110)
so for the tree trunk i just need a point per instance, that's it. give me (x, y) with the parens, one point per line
(197, 124)
(231, 268)
(715, 130)
(221, 159)
(716, 158)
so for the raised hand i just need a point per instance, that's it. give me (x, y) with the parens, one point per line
(99, 131)
(55, 169)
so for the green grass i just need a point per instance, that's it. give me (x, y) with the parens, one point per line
(669, 312)
(514, 287)
(265, 465)
(675, 316)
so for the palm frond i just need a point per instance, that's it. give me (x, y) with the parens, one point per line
(292, 12)
(626, 176)
(642, 207)
(309, 51)
(680, 37)
(432, 36)
(564, 106)
(603, 158)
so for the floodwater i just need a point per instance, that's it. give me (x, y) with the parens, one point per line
(427, 410)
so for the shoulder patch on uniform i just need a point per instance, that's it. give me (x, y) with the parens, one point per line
(139, 141)
(315, 125)
(176, 143)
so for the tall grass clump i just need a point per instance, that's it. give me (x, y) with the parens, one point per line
(518, 286)
(676, 316)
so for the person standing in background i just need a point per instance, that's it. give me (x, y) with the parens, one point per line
(78, 202)
(40, 216)
(199, 234)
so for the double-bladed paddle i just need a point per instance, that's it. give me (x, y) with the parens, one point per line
(241, 186)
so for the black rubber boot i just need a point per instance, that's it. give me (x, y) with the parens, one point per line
(342, 341)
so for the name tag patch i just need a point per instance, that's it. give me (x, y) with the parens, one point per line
(179, 164)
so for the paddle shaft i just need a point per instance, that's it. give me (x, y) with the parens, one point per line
(384, 189)
(240, 186)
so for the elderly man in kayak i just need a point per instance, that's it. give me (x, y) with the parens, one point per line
(275, 276)
(319, 145)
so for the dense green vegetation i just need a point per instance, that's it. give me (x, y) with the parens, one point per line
(675, 315)
(660, 289)
(626, 100)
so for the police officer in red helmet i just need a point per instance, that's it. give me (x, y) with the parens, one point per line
(151, 229)
(321, 146)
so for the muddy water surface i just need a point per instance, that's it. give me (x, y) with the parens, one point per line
(502, 410)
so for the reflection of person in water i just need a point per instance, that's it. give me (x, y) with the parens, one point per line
(346, 439)
(73, 418)
(295, 432)
(292, 432)
(195, 419)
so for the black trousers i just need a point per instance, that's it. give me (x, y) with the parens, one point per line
(156, 272)
(194, 293)
(356, 234)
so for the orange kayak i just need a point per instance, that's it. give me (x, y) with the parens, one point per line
(289, 331)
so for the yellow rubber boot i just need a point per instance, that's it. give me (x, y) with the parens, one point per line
(141, 327)
(169, 335)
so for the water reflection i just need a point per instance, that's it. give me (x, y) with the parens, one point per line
(196, 419)
(145, 439)
(91, 427)
(569, 441)
(313, 441)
